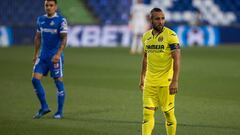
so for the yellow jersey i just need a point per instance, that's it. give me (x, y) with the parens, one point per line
(159, 59)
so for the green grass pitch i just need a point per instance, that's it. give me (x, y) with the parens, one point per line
(102, 95)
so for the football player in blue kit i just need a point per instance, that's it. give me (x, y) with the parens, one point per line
(49, 42)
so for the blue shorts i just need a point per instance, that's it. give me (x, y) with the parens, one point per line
(43, 66)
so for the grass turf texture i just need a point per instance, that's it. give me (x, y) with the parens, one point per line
(102, 96)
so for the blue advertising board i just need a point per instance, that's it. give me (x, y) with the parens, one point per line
(198, 35)
(121, 35)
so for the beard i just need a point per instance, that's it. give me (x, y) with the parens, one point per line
(158, 27)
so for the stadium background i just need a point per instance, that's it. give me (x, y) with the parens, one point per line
(102, 77)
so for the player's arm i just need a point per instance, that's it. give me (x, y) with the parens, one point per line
(37, 43)
(63, 38)
(57, 56)
(143, 71)
(176, 55)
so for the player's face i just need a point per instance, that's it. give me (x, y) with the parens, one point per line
(158, 20)
(50, 7)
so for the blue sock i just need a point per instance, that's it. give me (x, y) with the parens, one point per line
(40, 93)
(60, 94)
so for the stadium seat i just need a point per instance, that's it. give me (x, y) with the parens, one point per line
(18, 12)
(116, 12)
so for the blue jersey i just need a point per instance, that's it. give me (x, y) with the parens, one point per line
(50, 29)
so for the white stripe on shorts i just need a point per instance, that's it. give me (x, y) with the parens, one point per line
(61, 68)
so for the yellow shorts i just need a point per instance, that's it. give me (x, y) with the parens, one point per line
(158, 97)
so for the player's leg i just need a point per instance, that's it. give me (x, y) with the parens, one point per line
(150, 101)
(134, 44)
(167, 103)
(36, 81)
(60, 97)
(148, 120)
(38, 71)
(140, 45)
(57, 74)
(171, 122)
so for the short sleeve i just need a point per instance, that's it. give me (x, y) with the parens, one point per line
(173, 41)
(38, 25)
(64, 26)
(143, 43)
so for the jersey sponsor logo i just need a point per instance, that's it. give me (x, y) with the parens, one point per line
(52, 31)
(155, 48)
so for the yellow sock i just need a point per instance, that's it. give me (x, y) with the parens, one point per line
(171, 122)
(148, 121)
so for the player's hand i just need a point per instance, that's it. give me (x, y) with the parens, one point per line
(56, 58)
(34, 59)
(173, 87)
(141, 85)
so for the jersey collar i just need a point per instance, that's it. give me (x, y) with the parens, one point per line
(55, 15)
(158, 33)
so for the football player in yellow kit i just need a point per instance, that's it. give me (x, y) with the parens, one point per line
(160, 73)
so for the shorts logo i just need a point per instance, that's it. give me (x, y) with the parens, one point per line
(56, 72)
(56, 65)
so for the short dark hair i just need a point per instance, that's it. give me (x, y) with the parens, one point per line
(52, 0)
(155, 10)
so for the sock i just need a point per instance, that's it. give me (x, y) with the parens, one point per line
(40, 93)
(148, 121)
(171, 122)
(60, 94)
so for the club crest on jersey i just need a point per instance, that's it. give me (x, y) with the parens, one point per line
(52, 23)
(160, 39)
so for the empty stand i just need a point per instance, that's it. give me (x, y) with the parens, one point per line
(116, 12)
